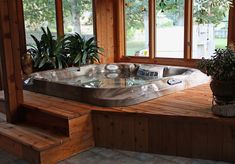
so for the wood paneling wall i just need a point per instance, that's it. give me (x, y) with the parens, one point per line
(189, 137)
(10, 57)
(104, 22)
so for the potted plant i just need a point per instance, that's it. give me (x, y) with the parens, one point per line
(72, 50)
(48, 52)
(81, 50)
(221, 67)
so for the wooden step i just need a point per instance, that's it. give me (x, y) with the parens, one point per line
(25, 143)
(56, 118)
(39, 118)
(38, 145)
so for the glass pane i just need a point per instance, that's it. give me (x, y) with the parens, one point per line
(210, 27)
(39, 14)
(78, 17)
(137, 28)
(170, 28)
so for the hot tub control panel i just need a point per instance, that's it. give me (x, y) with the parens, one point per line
(173, 81)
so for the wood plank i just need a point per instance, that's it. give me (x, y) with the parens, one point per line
(184, 138)
(103, 129)
(141, 133)
(80, 142)
(169, 134)
(123, 132)
(156, 135)
(41, 119)
(104, 23)
(215, 141)
(199, 141)
(229, 143)
(26, 137)
(80, 124)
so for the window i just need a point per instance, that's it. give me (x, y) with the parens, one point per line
(137, 28)
(77, 14)
(38, 14)
(170, 29)
(210, 27)
(78, 17)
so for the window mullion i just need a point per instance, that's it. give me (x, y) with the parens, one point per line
(188, 29)
(231, 26)
(152, 29)
(59, 17)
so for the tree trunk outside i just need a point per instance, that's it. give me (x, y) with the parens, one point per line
(75, 16)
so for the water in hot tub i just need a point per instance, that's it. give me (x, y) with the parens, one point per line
(107, 80)
(101, 78)
(110, 81)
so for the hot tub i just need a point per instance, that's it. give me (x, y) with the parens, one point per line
(120, 84)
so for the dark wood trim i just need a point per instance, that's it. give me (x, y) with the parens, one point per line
(94, 18)
(119, 29)
(152, 29)
(123, 27)
(231, 26)
(162, 61)
(10, 57)
(59, 17)
(188, 17)
(20, 11)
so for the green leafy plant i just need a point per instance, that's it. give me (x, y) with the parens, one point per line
(221, 66)
(72, 50)
(48, 52)
(81, 50)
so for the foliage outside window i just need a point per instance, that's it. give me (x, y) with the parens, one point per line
(137, 28)
(170, 29)
(78, 17)
(209, 27)
(37, 14)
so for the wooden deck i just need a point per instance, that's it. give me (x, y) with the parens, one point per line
(194, 102)
(177, 124)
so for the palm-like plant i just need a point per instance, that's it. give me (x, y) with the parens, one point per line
(48, 52)
(81, 50)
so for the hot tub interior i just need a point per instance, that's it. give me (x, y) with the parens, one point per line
(115, 84)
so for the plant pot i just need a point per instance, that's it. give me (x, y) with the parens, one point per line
(223, 90)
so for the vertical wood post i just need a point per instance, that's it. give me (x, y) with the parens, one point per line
(188, 29)
(59, 17)
(152, 29)
(231, 26)
(10, 57)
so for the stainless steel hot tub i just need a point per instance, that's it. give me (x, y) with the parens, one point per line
(120, 84)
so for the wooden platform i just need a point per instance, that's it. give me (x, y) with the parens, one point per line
(178, 124)
(194, 102)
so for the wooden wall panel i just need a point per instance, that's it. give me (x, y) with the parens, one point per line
(123, 132)
(184, 139)
(141, 132)
(104, 21)
(165, 135)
